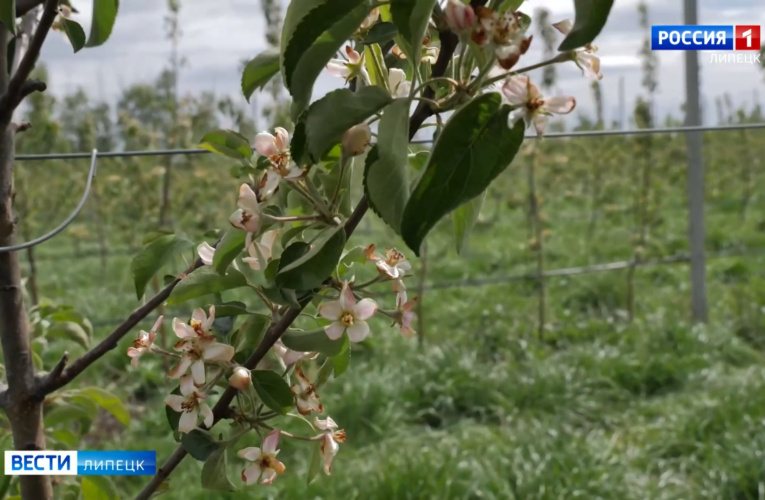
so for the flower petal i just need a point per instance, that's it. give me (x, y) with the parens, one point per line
(215, 351)
(247, 200)
(182, 330)
(561, 105)
(540, 122)
(516, 90)
(347, 300)
(198, 314)
(181, 368)
(207, 414)
(272, 182)
(265, 144)
(337, 67)
(271, 441)
(252, 453)
(268, 239)
(282, 139)
(268, 476)
(188, 421)
(515, 115)
(206, 253)
(175, 401)
(563, 26)
(326, 424)
(358, 331)
(198, 372)
(365, 309)
(331, 310)
(187, 385)
(251, 474)
(335, 330)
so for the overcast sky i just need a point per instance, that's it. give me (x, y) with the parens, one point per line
(218, 34)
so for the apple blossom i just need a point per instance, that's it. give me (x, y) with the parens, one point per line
(265, 466)
(264, 246)
(191, 405)
(306, 398)
(248, 215)
(532, 107)
(206, 253)
(274, 147)
(397, 82)
(143, 343)
(503, 32)
(459, 15)
(240, 379)
(350, 69)
(356, 139)
(200, 325)
(329, 440)
(393, 265)
(405, 315)
(198, 345)
(585, 58)
(289, 356)
(347, 314)
(371, 19)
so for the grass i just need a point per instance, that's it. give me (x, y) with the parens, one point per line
(603, 409)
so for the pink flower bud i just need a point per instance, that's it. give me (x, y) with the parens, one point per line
(459, 16)
(240, 379)
(356, 139)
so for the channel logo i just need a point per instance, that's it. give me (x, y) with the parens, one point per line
(80, 463)
(722, 37)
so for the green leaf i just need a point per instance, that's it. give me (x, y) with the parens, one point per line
(8, 15)
(591, 16)
(313, 40)
(108, 402)
(231, 309)
(204, 281)
(464, 219)
(418, 160)
(342, 361)
(75, 317)
(75, 34)
(329, 182)
(411, 17)
(230, 246)
(153, 235)
(272, 390)
(328, 118)
(313, 341)
(355, 255)
(227, 143)
(259, 72)
(199, 444)
(98, 488)
(315, 467)
(64, 412)
(381, 33)
(325, 371)
(250, 334)
(310, 270)
(153, 257)
(385, 176)
(66, 437)
(214, 473)
(70, 331)
(510, 4)
(292, 253)
(474, 148)
(292, 233)
(104, 15)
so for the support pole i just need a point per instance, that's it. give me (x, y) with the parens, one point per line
(695, 183)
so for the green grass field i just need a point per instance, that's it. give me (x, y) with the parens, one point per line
(603, 408)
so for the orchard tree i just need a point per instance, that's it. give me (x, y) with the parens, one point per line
(404, 62)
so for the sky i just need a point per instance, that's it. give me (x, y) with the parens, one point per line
(217, 35)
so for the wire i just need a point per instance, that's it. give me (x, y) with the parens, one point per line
(72, 216)
(585, 133)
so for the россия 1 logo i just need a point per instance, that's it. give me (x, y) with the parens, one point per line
(720, 37)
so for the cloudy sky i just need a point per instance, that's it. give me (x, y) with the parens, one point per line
(218, 34)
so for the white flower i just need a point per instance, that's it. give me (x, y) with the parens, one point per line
(191, 405)
(348, 315)
(405, 315)
(143, 343)
(356, 139)
(459, 15)
(289, 356)
(306, 398)
(397, 82)
(265, 247)
(371, 19)
(276, 149)
(248, 215)
(585, 58)
(206, 253)
(198, 345)
(532, 107)
(240, 379)
(350, 69)
(393, 265)
(265, 466)
(329, 440)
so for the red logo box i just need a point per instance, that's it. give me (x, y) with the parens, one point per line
(747, 38)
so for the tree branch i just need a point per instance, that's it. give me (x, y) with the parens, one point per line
(50, 383)
(423, 111)
(18, 84)
(24, 6)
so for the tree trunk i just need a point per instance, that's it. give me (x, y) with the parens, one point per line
(24, 408)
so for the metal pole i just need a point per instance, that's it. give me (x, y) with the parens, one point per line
(695, 183)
